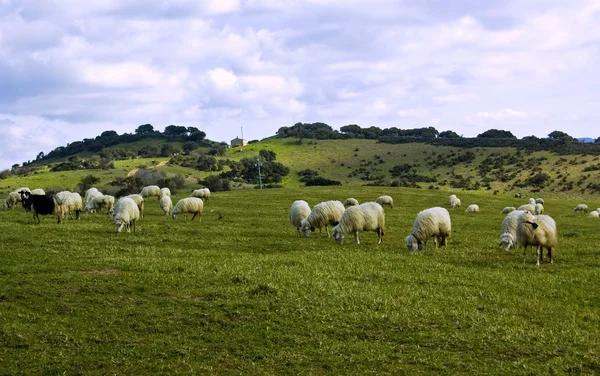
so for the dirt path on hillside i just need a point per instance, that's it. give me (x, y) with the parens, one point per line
(132, 172)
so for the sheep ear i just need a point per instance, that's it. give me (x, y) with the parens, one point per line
(534, 225)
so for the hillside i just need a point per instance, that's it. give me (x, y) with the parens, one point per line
(357, 162)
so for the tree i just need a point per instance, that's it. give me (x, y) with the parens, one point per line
(448, 134)
(496, 133)
(192, 130)
(189, 146)
(145, 129)
(175, 130)
(561, 136)
(267, 155)
(107, 134)
(197, 136)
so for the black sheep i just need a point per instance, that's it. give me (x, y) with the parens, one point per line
(40, 204)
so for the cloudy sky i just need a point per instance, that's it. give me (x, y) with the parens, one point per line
(70, 69)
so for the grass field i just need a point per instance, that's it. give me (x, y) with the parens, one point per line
(239, 293)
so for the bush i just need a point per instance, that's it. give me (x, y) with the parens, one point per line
(320, 181)
(215, 183)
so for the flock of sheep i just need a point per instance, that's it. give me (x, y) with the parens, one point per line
(526, 226)
(125, 211)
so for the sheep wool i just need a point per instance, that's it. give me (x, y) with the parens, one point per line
(507, 210)
(166, 204)
(187, 205)
(473, 208)
(430, 223)
(594, 214)
(202, 193)
(365, 217)
(350, 202)
(385, 200)
(150, 191)
(139, 201)
(527, 207)
(539, 209)
(164, 192)
(90, 194)
(455, 203)
(581, 208)
(537, 231)
(539, 200)
(38, 191)
(324, 214)
(298, 212)
(126, 212)
(509, 229)
(99, 203)
(70, 202)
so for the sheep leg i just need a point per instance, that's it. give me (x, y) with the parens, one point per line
(539, 256)
(194, 216)
(356, 237)
(379, 235)
(550, 254)
(327, 229)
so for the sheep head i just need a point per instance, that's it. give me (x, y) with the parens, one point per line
(528, 218)
(412, 244)
(337, 235)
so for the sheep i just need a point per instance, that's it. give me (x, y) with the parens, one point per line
(70, 202)
(150, 191)
(139, 200)
(324, 214)
(90, 194)
(509, 229)
(539, 231)
(11, 200)
(368, 216)
(126, 212)
(41, 204)
(473, 208)
(38, 191)
(539, 209)
(452, 197)
(531, 201)
(594, 214)
(519, 195)
(433, 222)
(455, 203)
(298, 212)
(188, 205)
(166, 204)
(203, 193)
(508, 209)
(528, 207)
(164, 192)
(385, 200)
(97, 203)
(539, 200)
(581, 207)
(350, 202)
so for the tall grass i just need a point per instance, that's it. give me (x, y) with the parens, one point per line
(239, 292)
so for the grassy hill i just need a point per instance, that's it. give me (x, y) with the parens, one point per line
(357, 162)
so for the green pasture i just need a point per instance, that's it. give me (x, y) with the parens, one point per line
(240, 293)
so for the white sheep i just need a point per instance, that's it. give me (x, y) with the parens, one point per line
(324, 214)
(539, 209)
(38, 191)
(298, 212)
(538, 231)
(509, 229)
(70, 202)
(528, 207)
(11, 200)
(203, 193)
(385, 200)
(432, 222)
(90, 194)
(473, 208)
(539, 200)
(455, 203)
(508, 209)
(100, 202)
(150, 191)
(368, 216)
(166, 204)
(581, 207)
(188, 205)
(594, 214)
(139, 200)
(350, 202)
(452, 197)
(531, 201)
(126, 212)
(164, 192)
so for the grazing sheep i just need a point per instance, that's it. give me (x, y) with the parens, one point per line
(450, 198)
(385, 200)
(166, 204)
(455, 203)
(188, 205)
(41, 204)
(203, 193)
(70, 202)
(126, 212)
(509, 229)
(508, 209)
(38, 191)
(139, 200)
(594, 214)
(581, 207)
(11, 200)
(150, 191)
(100, 202)
(324, 214)
(528, 207)
(365, 217)
(519, 195)
(90, 194)
(531, 201)
(539, 200)
(164, 192)
(473, 208)
(298, 212)
(350, 202)
(432, 222)
(538, 231)
(539, 209)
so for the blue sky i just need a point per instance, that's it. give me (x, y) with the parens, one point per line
(71, 69)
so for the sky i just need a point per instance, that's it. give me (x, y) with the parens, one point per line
(71, 69)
